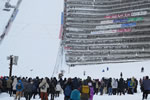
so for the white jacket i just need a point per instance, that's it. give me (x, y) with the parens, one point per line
(114, 84)
(14, 83)
(46, 86)
(58, 87)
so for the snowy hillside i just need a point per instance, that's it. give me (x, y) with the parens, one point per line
(34, 37)
(95, 71)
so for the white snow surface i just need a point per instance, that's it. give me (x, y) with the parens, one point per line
(138, 96)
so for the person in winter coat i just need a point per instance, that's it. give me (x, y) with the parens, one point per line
(91, 91)
(131, 85)
(146, 86)
(96, 86)
(1, 85)
(75, 94)
(136, 84)
(114, 86)
(67, 89)
(75, 83)
(35, 87)
(9, 86)
(85, 91)
(4, 84)
(28, 86)
(14, 85)
(52, 89)
(102, 84)
(43, 89)
(19, 89)
(109, 86)
(58, 89)
(121, 86)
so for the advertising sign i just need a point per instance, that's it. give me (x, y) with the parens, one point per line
(128, 25)
(107, 22)
(116, 26)
(122, 20)
(112, 31)
(139, 13)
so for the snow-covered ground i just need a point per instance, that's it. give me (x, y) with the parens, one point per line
(137, 96)
(129, 70)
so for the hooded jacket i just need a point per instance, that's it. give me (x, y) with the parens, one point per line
(22, 87)
(46, 86)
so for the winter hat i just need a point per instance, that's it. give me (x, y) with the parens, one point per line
(1, 77)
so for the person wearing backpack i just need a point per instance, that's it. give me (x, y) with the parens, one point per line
(85, 91)
(68, 89)
(19, 89)
(131, 85)
(75, 94)
(43, 89)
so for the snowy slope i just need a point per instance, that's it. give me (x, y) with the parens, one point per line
(95, 71)
(34, 37)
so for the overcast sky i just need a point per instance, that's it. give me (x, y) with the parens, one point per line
(34, 37)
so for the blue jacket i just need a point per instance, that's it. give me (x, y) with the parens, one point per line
(75, 95)
(22, 87)
(131, 84)
(146, 84)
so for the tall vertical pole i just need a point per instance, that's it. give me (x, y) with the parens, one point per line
(11, 64)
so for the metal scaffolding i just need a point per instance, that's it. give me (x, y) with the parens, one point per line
(106, 31)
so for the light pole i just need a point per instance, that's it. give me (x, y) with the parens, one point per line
(13, 61)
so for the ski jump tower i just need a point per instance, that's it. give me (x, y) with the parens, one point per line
(7, 8)
(106, 31)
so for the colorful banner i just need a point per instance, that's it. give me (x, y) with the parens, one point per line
(118, 15)
(108, 26)
(135, 19)
(61, 27)
(122, 20)
(139, 13)
(127, 14)
(106, 22)
(112, 31)
(128, 25)
(116, 26)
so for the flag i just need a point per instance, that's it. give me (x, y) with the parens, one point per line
(61, 27)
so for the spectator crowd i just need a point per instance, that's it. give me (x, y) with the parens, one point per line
(71, 88)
